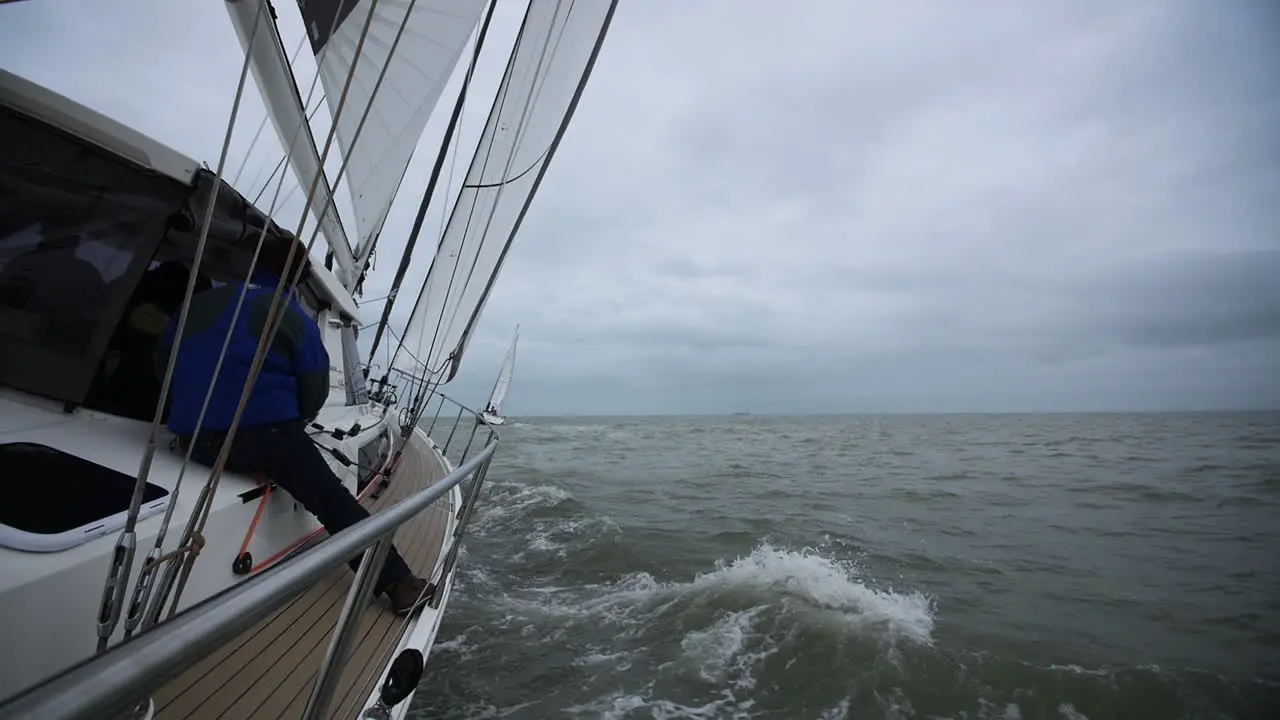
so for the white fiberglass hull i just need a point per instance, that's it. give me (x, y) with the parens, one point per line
(49, 599)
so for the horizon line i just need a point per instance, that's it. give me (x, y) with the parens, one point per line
(864, 413)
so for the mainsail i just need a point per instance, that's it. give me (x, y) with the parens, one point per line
(548, 69)
(407, 57)
(504, 377)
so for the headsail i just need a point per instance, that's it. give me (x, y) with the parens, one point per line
(554, 53)
(504, 376)
(410, 51)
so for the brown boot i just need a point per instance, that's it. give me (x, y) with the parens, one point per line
(409, 595)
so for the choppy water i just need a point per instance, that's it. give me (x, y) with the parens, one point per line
(985, 566)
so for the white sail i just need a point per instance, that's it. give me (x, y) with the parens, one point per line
(408, 55)
(554, 53)
(504, 377)
(284, 106)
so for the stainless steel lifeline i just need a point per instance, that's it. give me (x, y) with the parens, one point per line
(115, 681)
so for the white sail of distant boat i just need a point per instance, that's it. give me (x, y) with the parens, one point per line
(125, 596)
(492, 412)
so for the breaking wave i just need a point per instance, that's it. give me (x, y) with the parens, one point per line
(713, 635)
(619, 592)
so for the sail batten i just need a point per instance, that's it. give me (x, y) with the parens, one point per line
(409, 54)
(553, 56)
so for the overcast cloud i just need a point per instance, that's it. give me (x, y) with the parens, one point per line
(841, 207)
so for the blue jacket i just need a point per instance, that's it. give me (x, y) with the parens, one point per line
(293, 383)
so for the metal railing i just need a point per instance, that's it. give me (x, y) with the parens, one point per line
(115, 681)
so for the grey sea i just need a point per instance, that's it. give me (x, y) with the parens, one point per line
(944, 566)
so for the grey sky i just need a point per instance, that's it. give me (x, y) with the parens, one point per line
(871, 206)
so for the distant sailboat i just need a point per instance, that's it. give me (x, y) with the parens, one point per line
(492, 413)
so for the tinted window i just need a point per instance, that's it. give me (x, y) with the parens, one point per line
(78, 227)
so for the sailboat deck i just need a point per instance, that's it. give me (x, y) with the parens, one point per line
(268, 671)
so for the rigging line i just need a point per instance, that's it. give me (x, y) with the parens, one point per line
(377, 85)
(142, 588)
(123, 553)
(508, 181)
(350, 150)
(564, 124)
(414, 389)
(535, 93)
(444, 144)
(370, 301)
(418, 361)
(262, 125)
(191, 530)
(320, 171)
(540, 86)
(152, 613)
(498, 104)
(389, 358)
(329, 203)
(423, 205)
(444, 217)
(369, 260)
(311, 91)
(520, 129)
(276, 313)
(440, 564)
(285, 159)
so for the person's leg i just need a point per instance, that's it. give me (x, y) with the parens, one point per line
(289, 457)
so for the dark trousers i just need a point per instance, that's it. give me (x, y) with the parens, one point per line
(288, 456)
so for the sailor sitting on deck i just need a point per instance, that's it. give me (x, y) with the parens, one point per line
(289, 392)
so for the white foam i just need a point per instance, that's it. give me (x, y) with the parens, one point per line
(625, 706)
(838, 712)
(488, 711)
(505, 501)
(730, 615)
(720, 651)
(795, 581)
(558, 538)
(458, 645)
(895, 704)
(1068, 712)
(595, 657)
(808, 576)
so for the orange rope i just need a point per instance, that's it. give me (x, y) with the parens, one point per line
(257, 515)
(286, 550)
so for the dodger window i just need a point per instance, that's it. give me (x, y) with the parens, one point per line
(78, 227)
